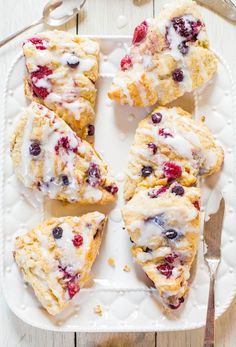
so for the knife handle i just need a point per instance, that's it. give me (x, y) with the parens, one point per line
(209, 339)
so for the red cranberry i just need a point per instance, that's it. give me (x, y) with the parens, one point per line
(57, 232)
(91, 130)
(171, 234)
(196, 205)
(172, 171)
(94, 175)
(163, 132)
(37, 75)
(37, 42)
(78, 240)
(156, 117)
(126, 62)
(165, 269)
(146, 171)
(156, 192)
(152, 147)
(113, 189)
(140, 32)
(171, 258)
(63, 142)
(73, 288)
(35, 149)
(178, 75)
(176, 305)
(178, 190)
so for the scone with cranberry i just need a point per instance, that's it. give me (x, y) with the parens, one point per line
(169, 145)
(62, 69)
(169, 56)
(49, 157)
(57, 255)
(163, 224)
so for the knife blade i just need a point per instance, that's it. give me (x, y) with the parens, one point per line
(212, 232)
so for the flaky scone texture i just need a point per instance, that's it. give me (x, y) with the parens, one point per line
(170, 145)
(163, 224)
(61, 71)
(169, 56)
(50, 158)
(57, 255)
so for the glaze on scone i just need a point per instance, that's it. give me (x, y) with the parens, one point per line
(57, 255)
(168, 57)
(170, 145)
(49, 157)
(61, 71)
(163, 224)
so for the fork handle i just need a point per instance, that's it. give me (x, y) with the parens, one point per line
(209, 339)
(9, 38)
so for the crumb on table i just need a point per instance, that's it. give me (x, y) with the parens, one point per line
(126, 268)
(98, 310)
(111, 261)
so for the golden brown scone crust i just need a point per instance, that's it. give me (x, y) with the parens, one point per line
(70, 89)
(148, 217)
(177, 139)
(147, 78)
(66, 168)
(54, 267)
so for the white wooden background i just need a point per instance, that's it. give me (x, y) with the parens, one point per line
(100, 17)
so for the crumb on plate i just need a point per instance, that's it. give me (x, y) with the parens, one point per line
(98, 310)
(126, 268)
(111, 261)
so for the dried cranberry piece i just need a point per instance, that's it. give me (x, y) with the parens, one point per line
(140, 32)
(165, 269)
(73, 288)
(113, 189)
(156, 192)
(37, 42)
(163, 132)
(196, 205)
(78, 240)
(177, 304)
(172, 171)
(42, 72)
(171, 258)
(183, 48)
(126, 62)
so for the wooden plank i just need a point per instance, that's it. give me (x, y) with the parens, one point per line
(15, 15)
(116, 340)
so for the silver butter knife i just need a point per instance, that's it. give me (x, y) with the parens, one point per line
(212, 253)
(226, 8)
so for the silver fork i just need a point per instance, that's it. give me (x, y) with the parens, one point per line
(212, 254)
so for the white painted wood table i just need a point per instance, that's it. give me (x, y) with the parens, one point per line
(100, 17)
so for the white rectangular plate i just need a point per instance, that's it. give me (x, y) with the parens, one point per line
(127, 299)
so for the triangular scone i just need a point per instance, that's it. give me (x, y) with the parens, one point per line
(61, 71)
(170, 145)
(57, 255)
(168, 57)
(48, 156)
(163, 224)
